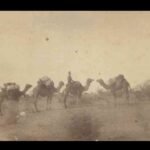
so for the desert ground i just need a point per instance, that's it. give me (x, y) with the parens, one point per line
(92, 119)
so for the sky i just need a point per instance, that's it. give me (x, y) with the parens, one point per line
(95, 44)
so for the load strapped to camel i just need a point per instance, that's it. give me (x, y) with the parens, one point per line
(116, 81)
(11, 86)
(45, 80)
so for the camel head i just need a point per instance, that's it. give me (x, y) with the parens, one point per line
(100, 81)
(27, 87)
(61, 84)
(89, 81)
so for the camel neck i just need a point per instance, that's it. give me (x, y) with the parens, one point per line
(25, 90)
(58, 88)
(86, 87)
(104, 85)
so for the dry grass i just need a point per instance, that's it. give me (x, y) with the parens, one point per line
(92, 119)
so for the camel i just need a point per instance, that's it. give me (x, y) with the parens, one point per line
(14, 94)
(45, 91)
(117, 85)
(76, 89)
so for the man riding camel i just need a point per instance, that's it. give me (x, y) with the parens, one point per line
(69, 80)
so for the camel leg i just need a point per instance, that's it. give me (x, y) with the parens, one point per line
(47, 107)
(17, 110)
(35, 103)
(1, 101)
(65, 99)
(49, 101)
(78, 99)
(128, 97)
(115, 99)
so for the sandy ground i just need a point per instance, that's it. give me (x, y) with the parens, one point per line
(97, 120)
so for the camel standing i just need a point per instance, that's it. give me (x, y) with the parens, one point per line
(45, 91)
(76, 89)
(12, 94)
(117, 85)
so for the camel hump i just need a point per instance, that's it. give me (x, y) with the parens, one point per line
(12, 86)
(76, 84)
(45, 80)
(111, 81)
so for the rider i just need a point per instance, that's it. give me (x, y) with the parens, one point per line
(69, 79)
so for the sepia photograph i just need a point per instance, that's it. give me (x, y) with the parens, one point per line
(74, 76)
